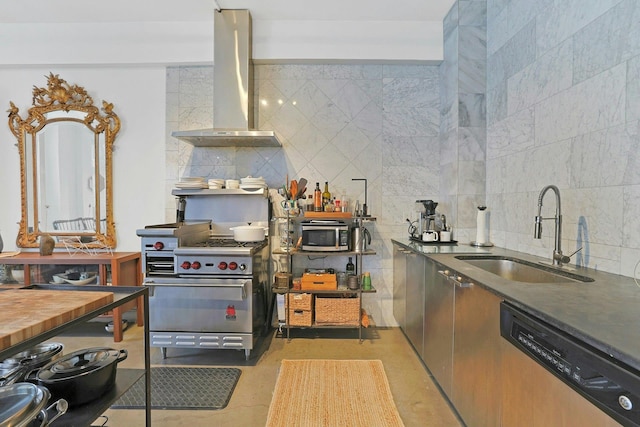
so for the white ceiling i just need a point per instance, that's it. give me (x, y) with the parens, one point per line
(24, 11)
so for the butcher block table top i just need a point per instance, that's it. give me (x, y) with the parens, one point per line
(25, 313)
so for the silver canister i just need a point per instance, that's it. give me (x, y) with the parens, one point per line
(353, 282)
(360, 239)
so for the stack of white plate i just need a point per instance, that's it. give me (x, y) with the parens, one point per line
(215, 183)
(187, 182)
(231, 184)
(250, 183)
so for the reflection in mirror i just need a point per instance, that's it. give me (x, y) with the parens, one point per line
(65, 149)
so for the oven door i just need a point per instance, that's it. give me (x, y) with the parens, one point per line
(200, 305)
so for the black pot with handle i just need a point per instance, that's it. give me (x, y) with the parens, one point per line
(81, 376)
(15, 368)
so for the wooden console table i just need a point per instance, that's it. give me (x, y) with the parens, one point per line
(126, 270)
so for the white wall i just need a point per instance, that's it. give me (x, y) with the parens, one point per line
(139, 98)
(106, 43)
(347, 41)
(188, 43)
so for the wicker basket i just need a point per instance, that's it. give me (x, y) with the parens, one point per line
(337, 311)
(283, 280)
(300, 302)
(300, 317)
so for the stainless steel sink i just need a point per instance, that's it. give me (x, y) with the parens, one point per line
(520, 270)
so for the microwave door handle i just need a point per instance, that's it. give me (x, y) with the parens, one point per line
(337, 238)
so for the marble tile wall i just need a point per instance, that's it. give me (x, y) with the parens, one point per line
(555, 101)
(337, 122)
(563, 108)
(463, 126)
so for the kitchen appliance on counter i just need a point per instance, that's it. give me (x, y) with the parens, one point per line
(609, 384)
(207, 290)
(429, 226)
(325, 235)
(427, 218)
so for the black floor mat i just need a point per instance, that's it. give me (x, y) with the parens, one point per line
(183, 388)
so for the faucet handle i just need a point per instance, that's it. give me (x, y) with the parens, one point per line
(575, 252)
(565, 259)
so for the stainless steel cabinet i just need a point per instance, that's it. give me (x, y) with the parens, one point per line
(438, 324)
(399, 285)
(488, 381)
(477, 349)
(414, 315)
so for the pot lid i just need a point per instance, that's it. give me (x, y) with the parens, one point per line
(35, 355)
(20, 403)
(77, 363)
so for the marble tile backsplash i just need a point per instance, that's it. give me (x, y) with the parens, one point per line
(563, 109)
(337, 122)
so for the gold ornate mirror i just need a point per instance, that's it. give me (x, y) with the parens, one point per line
(65, 147)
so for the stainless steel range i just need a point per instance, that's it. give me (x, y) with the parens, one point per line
(207, 290)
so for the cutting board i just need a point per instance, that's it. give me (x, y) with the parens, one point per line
(25, 313)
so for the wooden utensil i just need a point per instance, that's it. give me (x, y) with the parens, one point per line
(302, 188)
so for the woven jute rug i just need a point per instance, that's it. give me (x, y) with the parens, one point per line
(332, 393)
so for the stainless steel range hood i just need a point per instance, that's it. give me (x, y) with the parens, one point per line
(232, 88)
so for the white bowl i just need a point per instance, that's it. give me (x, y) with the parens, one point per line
(58, 280)
(86, 281)
(18, 275)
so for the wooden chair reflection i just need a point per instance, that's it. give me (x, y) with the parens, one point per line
(79, 224)
(76, 224)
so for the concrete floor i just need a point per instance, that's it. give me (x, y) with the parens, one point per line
(417, 398)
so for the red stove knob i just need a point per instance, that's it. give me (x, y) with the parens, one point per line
(233, 265)
(185, 265)
(222, 265)
(196, 265)
(230, 313)
(158, 246)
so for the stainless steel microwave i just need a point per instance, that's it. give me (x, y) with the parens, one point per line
(325, 236)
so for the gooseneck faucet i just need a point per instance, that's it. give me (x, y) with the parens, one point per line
(558, 258)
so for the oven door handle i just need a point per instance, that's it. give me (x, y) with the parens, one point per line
(234, 290)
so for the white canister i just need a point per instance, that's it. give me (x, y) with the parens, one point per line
(481, 225)
(482, 230)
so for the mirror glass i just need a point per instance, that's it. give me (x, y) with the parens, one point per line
(65, 149)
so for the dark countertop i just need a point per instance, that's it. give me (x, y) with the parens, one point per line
(604, 313)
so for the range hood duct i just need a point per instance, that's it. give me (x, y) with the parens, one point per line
(232, 88)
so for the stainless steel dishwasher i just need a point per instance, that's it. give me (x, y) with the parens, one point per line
(610, 384)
